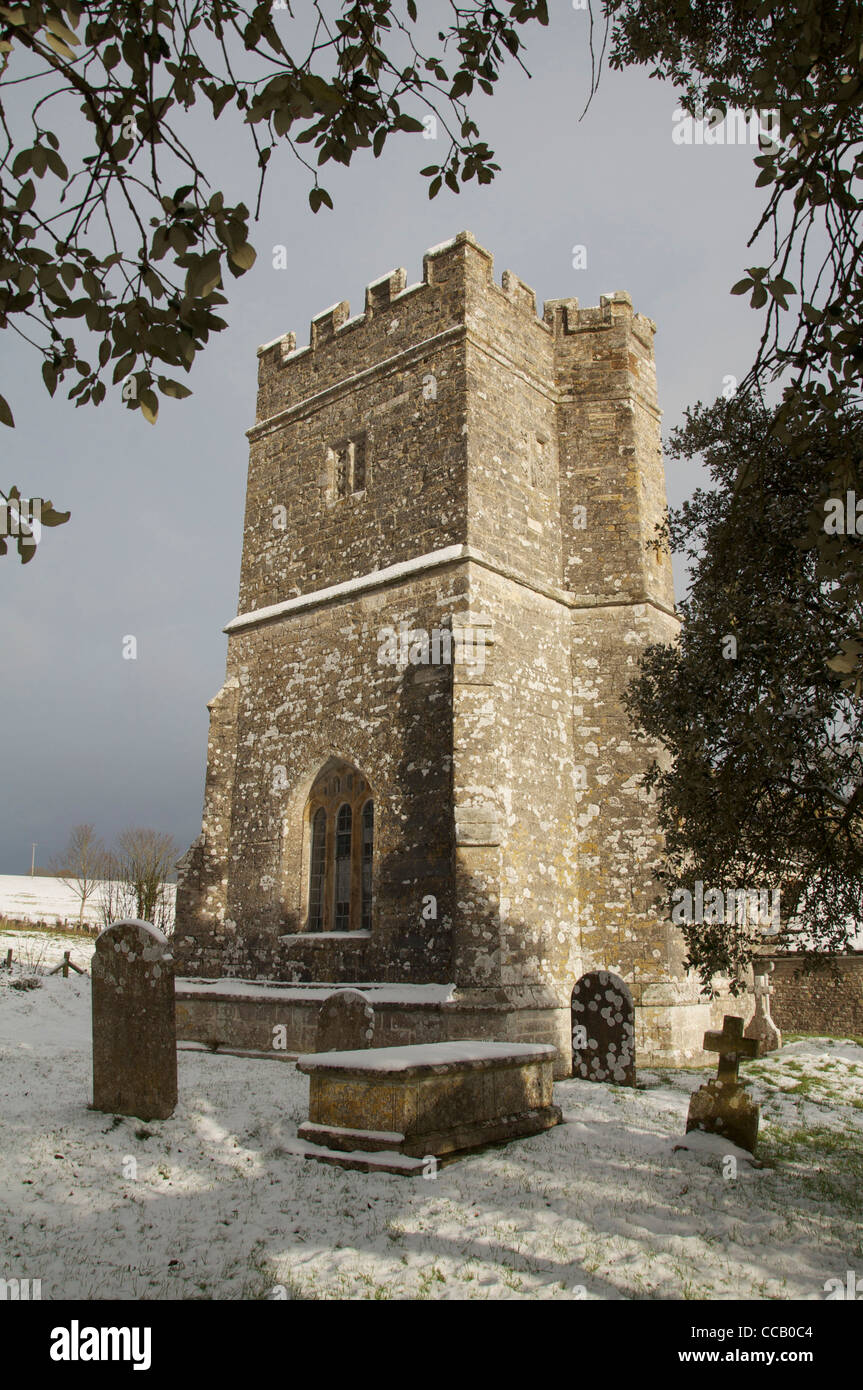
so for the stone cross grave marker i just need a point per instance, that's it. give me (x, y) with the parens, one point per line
(761, 1025)
(346, 1022)
(134, 1028)
(723, 1106)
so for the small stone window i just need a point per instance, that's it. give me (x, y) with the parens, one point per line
(359, 462)
(542, 464)
(348, 463)
(343, 468)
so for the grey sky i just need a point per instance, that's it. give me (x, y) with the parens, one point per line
(153, 547)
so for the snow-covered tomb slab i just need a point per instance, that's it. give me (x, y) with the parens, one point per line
(376, 1107)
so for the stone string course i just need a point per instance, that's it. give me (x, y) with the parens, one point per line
(509, 791)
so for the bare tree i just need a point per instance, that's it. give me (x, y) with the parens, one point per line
(116, 898)
(82, 864)
(143, 862)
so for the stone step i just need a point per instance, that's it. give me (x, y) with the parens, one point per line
(403, 1165)
(339, 1137)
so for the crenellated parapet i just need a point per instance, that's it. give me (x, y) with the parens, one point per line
(457, 293)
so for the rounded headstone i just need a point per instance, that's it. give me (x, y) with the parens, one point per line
(346, 1022)
(134, 1027)
(603, 1029)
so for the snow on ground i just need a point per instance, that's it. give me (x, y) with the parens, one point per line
(41, 898)
(211, 1203)
(43, 950)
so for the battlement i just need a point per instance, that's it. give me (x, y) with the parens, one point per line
(460, 259)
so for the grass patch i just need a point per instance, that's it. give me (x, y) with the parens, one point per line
(826, 1166)
(8, 924)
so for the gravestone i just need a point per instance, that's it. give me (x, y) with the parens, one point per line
(346, 1022)
(134, 1030)
(761, 1025)
(723, 1106)
(603, 1029)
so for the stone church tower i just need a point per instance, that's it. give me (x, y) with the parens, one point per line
(420, 772)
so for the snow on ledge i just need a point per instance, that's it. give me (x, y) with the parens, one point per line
(382, 279)
(444, 245)
(272, 989)
(148, 927)
(433, 1057)
(362, 582)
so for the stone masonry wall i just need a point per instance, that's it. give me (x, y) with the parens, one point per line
(828, 1001)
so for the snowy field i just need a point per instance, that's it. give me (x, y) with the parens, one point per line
(43, 899)
(212, 1204)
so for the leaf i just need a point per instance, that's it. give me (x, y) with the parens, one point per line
(204, 275)
(462, 85)
(60, 48)
(173, 388)
(843, 664)
(26, 196)
(220, 99)
(60, 29)
(149, 403)
(741, 287)
(6, 413)
(244, 256)
(124, 367)
(56, 165)
(50, 517)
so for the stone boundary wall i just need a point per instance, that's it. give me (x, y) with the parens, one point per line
(828, 1001)
(218, 1014)
(233, 1021)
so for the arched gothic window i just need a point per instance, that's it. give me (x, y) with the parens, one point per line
(340, 819)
